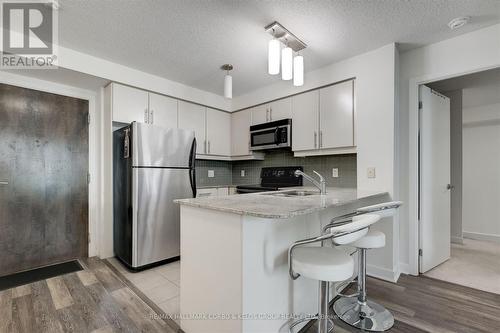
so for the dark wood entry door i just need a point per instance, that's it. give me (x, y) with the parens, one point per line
(43, 178)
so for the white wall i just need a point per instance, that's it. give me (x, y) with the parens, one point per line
(481, 168)
(376, 74)
(475, 51)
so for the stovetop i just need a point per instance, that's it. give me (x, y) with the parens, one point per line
(272, 179)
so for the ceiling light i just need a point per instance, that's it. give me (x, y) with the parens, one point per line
(228, 81)
(273, 57)
(298, 71)
(458, 22)
(286, 63)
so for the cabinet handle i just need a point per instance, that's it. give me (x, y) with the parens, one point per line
(209, 146)
(4, 182)
(270, 114)
(267, 114)
(315, 139)
(205, 146)
(321, 139)
(146, 116)
(152, 117)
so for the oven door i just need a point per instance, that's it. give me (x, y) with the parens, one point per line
(270, 138)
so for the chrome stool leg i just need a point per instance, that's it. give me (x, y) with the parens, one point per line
(360, 312)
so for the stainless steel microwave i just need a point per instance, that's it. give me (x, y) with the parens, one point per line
(271, 135)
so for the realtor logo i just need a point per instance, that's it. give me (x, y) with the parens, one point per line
(29, 34)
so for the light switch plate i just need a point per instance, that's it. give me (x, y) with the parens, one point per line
(335, 172)
(211, 174)
(242, 173)
(370, 172)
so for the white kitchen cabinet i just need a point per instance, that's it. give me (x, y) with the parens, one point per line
(218, 133)
(206, 192)
(222, 191)
(129, 104)
(240, 132)
(162, 111)
(336, 114)
(305, 121)
(280, 109)
(260, 114)
(192, 117)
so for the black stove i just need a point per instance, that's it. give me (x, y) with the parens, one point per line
(272, 179)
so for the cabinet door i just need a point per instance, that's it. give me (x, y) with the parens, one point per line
(305, 121)
(280, 109)
(129, 104)
(162, 111)
(337, 115)
(222, 191)
(260, 114)
(240, 132)
(218, 132)
(192, 117)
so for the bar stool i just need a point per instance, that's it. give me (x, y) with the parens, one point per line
(326, 264)
(360, 312)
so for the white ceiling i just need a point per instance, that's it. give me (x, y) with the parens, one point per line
(187, 40)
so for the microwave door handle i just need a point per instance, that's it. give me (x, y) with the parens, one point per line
(276, 136)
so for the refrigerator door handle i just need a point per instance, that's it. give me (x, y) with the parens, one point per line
(192, 170)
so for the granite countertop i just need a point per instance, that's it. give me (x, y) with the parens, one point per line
(266, 205)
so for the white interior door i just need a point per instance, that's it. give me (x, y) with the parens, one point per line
(435, 197)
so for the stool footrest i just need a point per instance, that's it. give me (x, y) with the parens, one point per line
(299, 321)
(343, 285)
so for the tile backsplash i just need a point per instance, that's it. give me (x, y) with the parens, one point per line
(230, 172)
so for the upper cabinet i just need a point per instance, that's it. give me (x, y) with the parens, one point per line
(129, 104)
(162, 111)
(240, 132)
(276, 110)
(336, 113)
(192, 117)
(218, 136)
(305, 121)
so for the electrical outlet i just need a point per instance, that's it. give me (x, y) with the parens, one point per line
(242, 173)
(370, 172)
(335, 172)
(211, 173)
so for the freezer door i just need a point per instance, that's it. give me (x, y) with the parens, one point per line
(156, 225)
(155, 146)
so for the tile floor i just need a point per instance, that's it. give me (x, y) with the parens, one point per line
(474, 264)
(160, 284)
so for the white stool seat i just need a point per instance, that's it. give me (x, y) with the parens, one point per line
(323, 263)
(372, 240)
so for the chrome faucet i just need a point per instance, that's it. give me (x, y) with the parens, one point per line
(321, 184)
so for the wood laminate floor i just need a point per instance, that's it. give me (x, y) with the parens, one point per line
(99, 300)
(422, 304)
(92, 300)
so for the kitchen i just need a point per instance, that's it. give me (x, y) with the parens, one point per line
(193, 154)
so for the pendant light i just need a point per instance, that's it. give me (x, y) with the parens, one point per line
(228, 81)
(286, 63)
(298, 70)
(273, 57)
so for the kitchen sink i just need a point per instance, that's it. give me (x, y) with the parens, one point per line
(293, 193)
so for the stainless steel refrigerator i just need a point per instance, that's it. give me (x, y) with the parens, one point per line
(152, 166)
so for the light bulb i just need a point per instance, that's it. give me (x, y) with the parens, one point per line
(286, 63)
(228, 86)
(298, 71)
(273, 57)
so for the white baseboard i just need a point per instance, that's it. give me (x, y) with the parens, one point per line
(382, 273)
(404, 268)
(457, 240)
(482, 237)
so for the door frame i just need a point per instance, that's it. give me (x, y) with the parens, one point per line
(413, 97)
(93, 167)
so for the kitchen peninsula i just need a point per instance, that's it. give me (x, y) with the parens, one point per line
(234, 271)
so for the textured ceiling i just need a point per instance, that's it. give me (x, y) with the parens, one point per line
(187, 40)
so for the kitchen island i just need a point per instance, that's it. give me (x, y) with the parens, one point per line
(234, 265)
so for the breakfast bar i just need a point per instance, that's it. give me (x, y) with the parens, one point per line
(234, 270)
